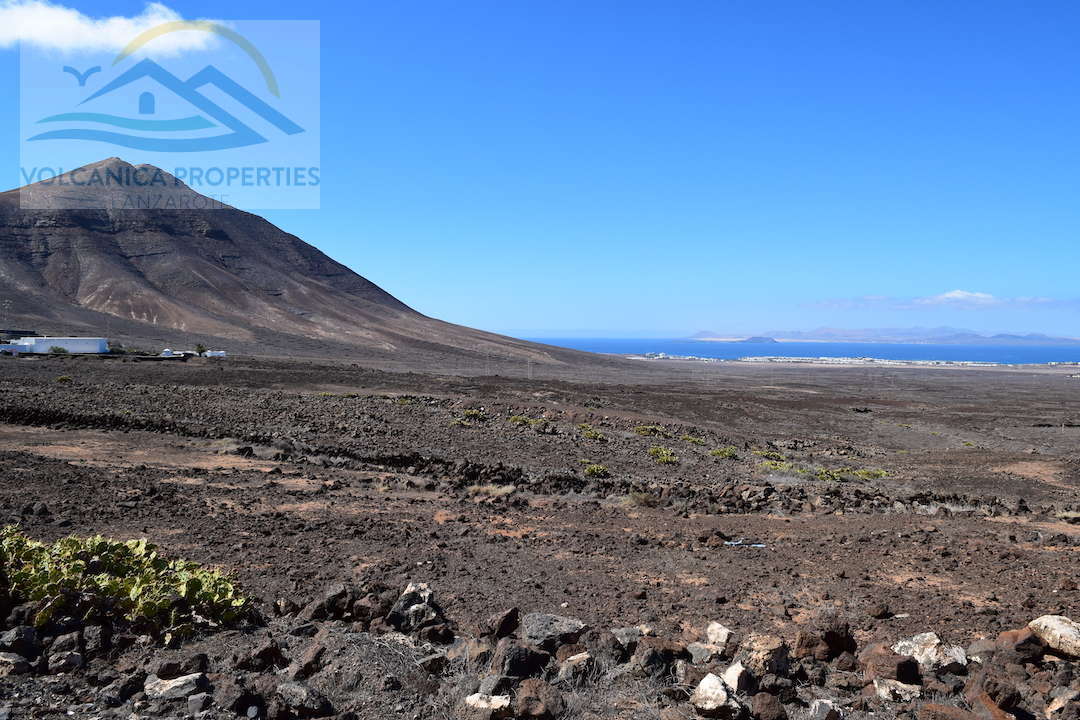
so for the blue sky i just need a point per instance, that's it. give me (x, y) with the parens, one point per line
(656, 168)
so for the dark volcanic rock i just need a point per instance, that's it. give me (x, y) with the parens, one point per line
(415, 609)
(517, 659)
(21, 640)
(502, 623)
(537, 699)
(879, 662)
(825, 639)
(654, 656)
(303, 700)
(548, 632)
(765, 706)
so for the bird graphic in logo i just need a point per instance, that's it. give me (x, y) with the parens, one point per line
(205, 115)
(82, 77)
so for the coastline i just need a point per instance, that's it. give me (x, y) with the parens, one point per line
(742, 340)
(807, 353)
(848, 362)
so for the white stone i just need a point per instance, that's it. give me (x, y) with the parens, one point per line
(488, 706)
(825, 710)
(1059, 633)
(713, 699)
(737, 677)
(717, 634)
(930, 652)
(181, 687)
(896, 691)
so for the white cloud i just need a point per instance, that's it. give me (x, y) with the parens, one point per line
(58, 28)
(959, 297)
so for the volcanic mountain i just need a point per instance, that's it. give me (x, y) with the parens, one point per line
(185, 270)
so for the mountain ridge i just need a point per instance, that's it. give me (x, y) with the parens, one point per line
(224, 273)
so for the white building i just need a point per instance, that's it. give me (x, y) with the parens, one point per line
(168, 352)
(44, 344)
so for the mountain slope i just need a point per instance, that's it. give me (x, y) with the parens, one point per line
(218, 273)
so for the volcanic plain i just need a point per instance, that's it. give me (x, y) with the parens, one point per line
(662, 495)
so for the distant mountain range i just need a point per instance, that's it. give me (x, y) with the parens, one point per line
(917, 335)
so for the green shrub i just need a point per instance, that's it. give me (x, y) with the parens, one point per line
(473, 414)
(57, 350)
(64, 379)
(663, 455)
(870, 474)
(590, 433)
(652, 431)
(769, 454)
(596, 471)
(98, 578)
(725, 453)
(693, 440)
(778, 466)
(829, 475)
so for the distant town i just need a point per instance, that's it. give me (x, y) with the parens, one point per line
(835, 361)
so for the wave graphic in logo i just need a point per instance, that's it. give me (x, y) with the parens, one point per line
(209, 115)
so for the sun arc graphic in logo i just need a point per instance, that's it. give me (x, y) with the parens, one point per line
(206, 113)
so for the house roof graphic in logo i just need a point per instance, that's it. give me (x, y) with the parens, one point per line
(160, 134)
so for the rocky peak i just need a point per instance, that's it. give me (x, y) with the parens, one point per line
(110, 184)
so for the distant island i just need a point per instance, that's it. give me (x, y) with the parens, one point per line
(719, 337)
(923, 336)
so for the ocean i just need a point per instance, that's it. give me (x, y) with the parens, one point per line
(1011, 355)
